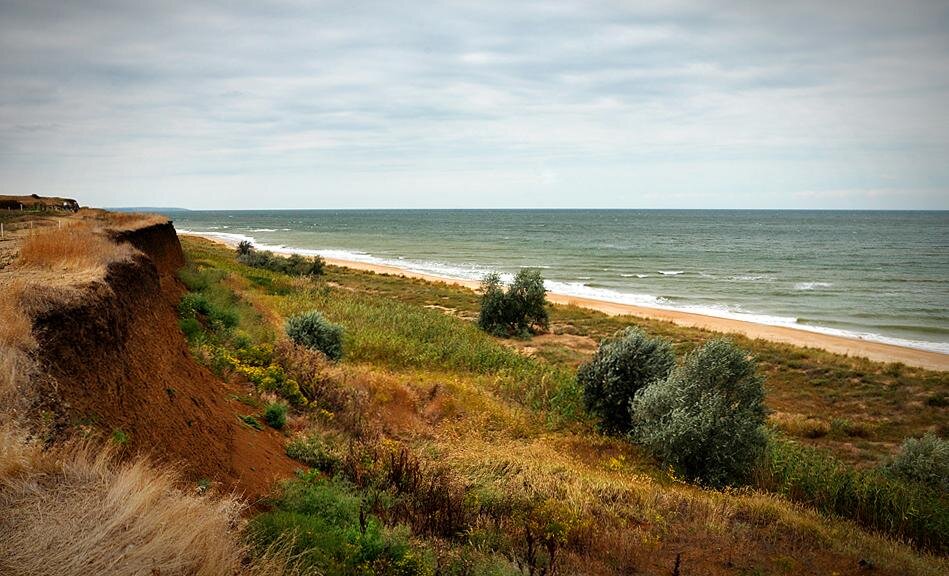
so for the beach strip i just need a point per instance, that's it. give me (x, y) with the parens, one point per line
(877, 351)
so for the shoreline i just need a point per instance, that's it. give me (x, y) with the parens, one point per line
(876, 351)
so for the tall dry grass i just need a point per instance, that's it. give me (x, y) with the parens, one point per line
(16, 341)
(73, 248)
(82, 511)
(120, 221)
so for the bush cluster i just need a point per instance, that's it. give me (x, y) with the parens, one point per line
(293, 265)
(312, 330)
(621, 367)
(517, 311)
(706, 419)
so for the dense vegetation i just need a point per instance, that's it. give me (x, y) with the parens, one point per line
(622, 366)
(706, 419)
(520, 309)
(462, 455)
(293, 265)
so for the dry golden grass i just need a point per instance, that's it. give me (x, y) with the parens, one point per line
(120, 221)
(80, 511)
(799, 425)
(16, 341)
(72, 248)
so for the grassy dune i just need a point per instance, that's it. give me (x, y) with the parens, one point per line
(456, 452)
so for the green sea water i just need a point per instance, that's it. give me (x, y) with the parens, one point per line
(881, 276)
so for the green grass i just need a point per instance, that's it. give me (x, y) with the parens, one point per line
(869, 497)
(398, 326)
(331, 531)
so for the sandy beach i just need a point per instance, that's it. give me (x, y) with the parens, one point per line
(877, 351)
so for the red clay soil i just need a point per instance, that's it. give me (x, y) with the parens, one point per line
(118, 360)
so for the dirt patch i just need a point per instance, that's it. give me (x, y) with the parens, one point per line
(579, 344)
(115, 360)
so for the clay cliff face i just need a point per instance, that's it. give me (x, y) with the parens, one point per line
(118, 361)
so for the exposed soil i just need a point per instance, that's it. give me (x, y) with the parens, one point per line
(115, 359)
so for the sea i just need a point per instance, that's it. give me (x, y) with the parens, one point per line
(874, 275)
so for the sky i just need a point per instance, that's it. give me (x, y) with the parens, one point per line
(548, 104)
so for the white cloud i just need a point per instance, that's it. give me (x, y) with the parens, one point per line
(697, 107)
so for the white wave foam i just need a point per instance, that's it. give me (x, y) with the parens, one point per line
(812, 285)
(750, 278)
(671, 272)
(263, 229)
(477, 272)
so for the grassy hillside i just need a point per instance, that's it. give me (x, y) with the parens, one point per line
(434, 448)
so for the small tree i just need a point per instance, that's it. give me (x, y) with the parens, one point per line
(520, 310)
(493, 315)
(706, 419)
(527, 299)
(622, 366)
(244, 247)
(924, 460)
(312, 330)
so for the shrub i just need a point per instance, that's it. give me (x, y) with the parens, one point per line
(294, 265)
(312, 330)
(706, 419)
(276, 415)
(244, 247)
(924, 460)
(622, 366)
(518, 311)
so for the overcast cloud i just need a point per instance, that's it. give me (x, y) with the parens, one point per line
(478, 104)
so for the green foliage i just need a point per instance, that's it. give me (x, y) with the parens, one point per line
(621, 367)
(244, 247)
(251, 421)
(257, 364)
(312, 330)
(315, 452)
(518, 311)
(389, 333)
(706, 419)
(293, 265)
(219, 317)
(120, 437)
(275, 415)
(876, 500)
(333, 532)
(191, 328)
(924, 460)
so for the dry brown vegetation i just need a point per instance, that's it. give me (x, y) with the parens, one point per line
(120, 221)
(80, 510)
(75, 247)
